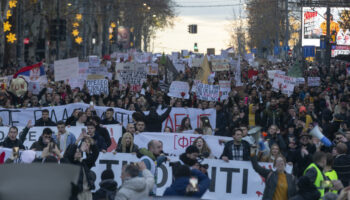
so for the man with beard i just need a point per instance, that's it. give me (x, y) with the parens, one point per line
(189, 158)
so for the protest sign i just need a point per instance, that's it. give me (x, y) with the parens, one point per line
(184, 53)
(220, 65)
(285, 83)
(174, 56)
(134, 78)
(180, 67)
(66, 69)
(34, 87)
(142, 57)
(97, 87)
(299, 81)
(196, 62)
(115, 131)
(179, 89)
(271, 73)
(207, 92)
(20, 117)
(94, 61)
(175, 144)
(152, 69)
(228, 179)
(225, 89)
(313, 81)
(97, 73)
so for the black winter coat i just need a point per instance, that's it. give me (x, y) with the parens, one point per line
(7, 143)
(107, 191)
(41, 122)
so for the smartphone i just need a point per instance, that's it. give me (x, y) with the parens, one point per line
(83, 130)
(15, 152)
(194, 182)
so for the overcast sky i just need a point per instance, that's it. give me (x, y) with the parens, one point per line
(213, 27)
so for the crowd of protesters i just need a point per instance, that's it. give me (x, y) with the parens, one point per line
(319, 171)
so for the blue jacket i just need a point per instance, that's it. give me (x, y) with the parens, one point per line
(178, 187)
(70, 140)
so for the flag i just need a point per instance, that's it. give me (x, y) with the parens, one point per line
(32, 73)
(204, 72)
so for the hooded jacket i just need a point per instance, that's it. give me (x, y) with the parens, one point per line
(137, 187)
(107, 191)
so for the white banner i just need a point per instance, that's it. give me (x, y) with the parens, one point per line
(271, 73)
(66, 69)
(20, 117)
(299, 81)
(232, 179)
(207, 92)
(97, 87)
(176, 143)
(313, 81)
(220, 65)
(285, 83)
(179, 89)
(115, 131)
(225, 89)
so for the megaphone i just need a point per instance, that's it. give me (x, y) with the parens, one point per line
(316, 132)
(253, 136)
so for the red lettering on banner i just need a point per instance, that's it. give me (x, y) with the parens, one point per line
(199, 118)
(171, 123)
(192, 140)
(175, 136)
(175, 117)
(183, 142)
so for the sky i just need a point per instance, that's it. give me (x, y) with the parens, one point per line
(213, 27)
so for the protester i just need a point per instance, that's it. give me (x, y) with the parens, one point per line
(307, 190)
(102, 131)
(135, 187)
(109, 119)
(72, 119)
(182, 184)
(63, 137)
(108, 186)
(185, 125)
(342, 164)
(236, 149)
(92, 133)
(278, 184)
(44, 140)
(202, 146)
(44, 120)
(127, 144)
(11, 140)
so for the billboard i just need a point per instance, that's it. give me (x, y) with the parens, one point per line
(315, 25)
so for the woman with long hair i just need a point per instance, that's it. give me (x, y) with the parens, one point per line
(204, 150)
(127, 144)
(205, 125)
(274, 152)
(185, 125)
(278, 183)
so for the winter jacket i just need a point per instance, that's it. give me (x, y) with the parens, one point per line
(71, 121)
(228, 150)
(7, 143)
(137, 187)
(178, 187)
(70, 140)
(100, 142)
(301, 163)
(102, 131)
(41, 122)
(107, 191)
(271, 179)
(342, 166)
(221, 123)
(153, 120)
(278, 139)
(107, 122)
(272, 116)
(135, 148)
(38, 145)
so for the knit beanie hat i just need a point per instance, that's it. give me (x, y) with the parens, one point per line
(107, 174)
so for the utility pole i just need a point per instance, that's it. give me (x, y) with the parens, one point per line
(57, 30)
(328, 37)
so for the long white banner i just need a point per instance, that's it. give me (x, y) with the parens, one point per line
(231, 180)
(20, 117)
(176, 143)
(115, 131)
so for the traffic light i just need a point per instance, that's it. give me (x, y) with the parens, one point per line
(192, 28)
(195, 47)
